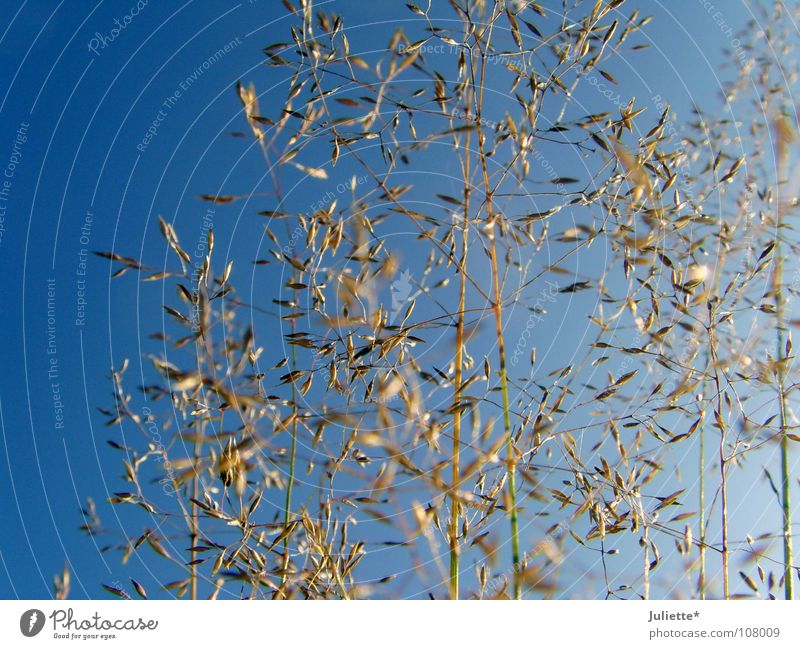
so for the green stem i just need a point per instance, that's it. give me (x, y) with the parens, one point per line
(786, 504)
(455, 505)
(702, 524)
(511, 461)
(287, 513)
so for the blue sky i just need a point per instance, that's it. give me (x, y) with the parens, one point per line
(101, 132)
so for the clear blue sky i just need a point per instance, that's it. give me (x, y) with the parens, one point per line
(98, 142)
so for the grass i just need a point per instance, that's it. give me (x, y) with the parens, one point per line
(454, 208)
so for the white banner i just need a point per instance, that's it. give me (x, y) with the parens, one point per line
(406, 624)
